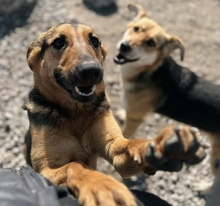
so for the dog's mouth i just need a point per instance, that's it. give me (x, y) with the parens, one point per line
(121, 59)
(82, 92)
(85, 91)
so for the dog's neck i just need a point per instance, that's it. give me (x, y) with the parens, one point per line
(78, 109)
(36, 98)
(133, 71)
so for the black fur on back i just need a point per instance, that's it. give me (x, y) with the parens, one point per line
(188, 98)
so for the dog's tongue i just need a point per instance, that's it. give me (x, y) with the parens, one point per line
(86, 89)
(119, 59)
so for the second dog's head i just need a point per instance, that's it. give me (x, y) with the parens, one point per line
(145, 42)
(67, 63)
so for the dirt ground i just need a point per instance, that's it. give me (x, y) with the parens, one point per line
(196, 22)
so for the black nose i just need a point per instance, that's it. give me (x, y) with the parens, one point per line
(125, 47)
(89, 73)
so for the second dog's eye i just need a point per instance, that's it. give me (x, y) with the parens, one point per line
(151, 43)
(59, 43)
(94, 41)
(136, 28)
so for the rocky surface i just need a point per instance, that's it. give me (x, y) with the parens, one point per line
(195, 22)
(12, 6)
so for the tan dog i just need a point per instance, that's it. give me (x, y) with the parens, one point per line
(154, 82)
(71, 122)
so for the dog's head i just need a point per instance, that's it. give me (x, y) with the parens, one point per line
(67, 63)
(145, 42)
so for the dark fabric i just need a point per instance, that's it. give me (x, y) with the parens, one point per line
(25, 187)
(148, 199)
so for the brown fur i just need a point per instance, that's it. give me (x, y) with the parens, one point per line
(150, 58)
(141, 96)
(68, 134)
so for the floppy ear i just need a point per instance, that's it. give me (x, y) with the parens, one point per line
(34, 52)
(139, 11)
(172, 44)
(104, 53)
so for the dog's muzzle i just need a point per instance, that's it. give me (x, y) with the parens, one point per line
(81, 83)
(89, 72)
(121, 58)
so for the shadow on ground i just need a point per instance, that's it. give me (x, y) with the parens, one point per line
(16, 18)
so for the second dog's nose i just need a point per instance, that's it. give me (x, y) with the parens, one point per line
(89, 72)
(125, 47)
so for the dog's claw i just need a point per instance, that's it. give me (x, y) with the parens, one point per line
(178, 128)
(137, 159)
(197, 157)
(194, 130)
(193, 147)
(153, 151)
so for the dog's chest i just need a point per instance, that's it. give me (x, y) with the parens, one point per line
(138, 83)
(79, 128)
(141, 92)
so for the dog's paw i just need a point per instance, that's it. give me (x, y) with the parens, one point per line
(100, 189)
(173, 147)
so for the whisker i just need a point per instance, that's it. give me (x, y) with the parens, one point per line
(60, 77)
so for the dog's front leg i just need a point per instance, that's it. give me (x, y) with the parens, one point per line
(136, 108)
(91, 187)
(168, 151)
(131, 125)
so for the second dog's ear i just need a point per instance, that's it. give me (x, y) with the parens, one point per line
(172, 44)
(139, 11)
(34, 51)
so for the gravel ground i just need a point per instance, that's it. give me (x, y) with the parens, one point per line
(196, 22)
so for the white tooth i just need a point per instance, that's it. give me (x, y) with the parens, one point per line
(84, 94)
(77, 90)
(93, 88)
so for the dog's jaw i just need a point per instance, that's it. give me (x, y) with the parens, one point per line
(80, 92)
(121, 59)
(86, 94)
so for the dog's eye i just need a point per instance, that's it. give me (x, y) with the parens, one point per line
(151, 43)
(59, 43)
(94, 41)
(136, 28)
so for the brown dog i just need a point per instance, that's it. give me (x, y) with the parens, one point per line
(71, 122)
(154, 82)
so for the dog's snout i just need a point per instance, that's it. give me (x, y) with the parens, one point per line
(89, 72)
(125, 47)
